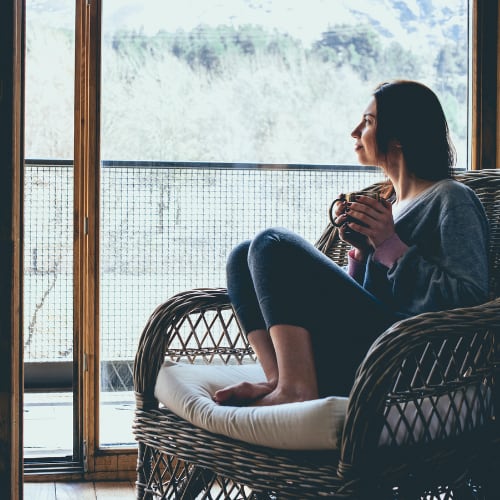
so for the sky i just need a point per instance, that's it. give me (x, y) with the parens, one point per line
(303, 19)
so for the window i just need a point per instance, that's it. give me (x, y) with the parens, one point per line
(220, 118)
(269, 82)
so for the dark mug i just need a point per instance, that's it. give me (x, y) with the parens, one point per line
(350, 197)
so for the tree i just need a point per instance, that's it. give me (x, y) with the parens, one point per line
(358, 47)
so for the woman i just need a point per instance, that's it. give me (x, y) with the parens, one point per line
(423, 248)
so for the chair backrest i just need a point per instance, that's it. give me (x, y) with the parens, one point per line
(485, 183)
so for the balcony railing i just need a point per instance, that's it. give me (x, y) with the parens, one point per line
(165, 227)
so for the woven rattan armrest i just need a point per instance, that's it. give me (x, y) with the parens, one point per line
(373, 388)
(162, 326)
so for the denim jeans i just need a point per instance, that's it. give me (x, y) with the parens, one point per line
(280, 278)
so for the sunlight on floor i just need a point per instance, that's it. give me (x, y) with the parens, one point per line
(48, 422)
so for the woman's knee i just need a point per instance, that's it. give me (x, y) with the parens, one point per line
(238, 258)
(278, 246)
(269, 238)
(243, 254)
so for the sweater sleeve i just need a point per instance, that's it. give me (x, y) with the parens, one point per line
(355, 268)
(445, 264)
(390, 251)
(455, 276)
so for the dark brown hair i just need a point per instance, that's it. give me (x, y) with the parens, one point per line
(410, 113)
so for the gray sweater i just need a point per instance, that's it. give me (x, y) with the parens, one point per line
(446, 262)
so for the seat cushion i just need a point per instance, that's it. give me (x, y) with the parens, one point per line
(187, 391)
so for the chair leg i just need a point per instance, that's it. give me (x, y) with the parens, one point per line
(143, 471)
(195, 481)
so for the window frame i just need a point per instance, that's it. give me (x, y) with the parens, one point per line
(485, 93)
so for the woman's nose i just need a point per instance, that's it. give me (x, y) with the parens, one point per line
(355, 133)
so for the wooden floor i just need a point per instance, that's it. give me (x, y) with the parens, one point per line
(102, 490)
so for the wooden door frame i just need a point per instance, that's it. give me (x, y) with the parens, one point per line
(11, 255)
(86, 223)
(99, 463)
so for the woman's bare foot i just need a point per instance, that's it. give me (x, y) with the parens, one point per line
(243, 393)
(280, 396)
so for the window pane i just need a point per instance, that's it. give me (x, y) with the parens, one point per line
(221, 118)
(269, 82)
(48, 228)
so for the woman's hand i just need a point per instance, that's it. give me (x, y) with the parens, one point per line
(368, 217)
(339, 218)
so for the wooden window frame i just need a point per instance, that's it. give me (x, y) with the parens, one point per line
(11, 254)
(485, 127)
(99, 463)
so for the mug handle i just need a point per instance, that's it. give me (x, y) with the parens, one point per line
(330, 211)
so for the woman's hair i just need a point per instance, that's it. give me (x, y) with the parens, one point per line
(410, 114)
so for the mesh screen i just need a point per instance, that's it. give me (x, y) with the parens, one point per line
(48, 262)
(165, 228)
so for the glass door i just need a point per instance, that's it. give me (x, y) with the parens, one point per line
(49, 409)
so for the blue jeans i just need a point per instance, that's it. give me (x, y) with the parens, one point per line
(279, 278)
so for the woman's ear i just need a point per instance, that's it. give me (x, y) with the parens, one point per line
(395, 145)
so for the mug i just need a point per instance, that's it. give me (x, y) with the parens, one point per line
(350, 197)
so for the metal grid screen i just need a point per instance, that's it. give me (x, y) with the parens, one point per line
(165, 228)
(48, 262)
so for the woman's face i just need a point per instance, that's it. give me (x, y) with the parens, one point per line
(365, 132)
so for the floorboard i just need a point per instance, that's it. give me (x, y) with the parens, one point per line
(73, 491)
(39, 491)
(121, 490)
(101, 490)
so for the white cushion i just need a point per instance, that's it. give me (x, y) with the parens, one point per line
(187, 391)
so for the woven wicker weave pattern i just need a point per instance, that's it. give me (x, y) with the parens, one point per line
(422, 361)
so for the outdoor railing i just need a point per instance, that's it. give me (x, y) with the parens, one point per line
(165, 227)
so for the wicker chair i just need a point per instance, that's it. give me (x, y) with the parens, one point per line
(424, 360)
